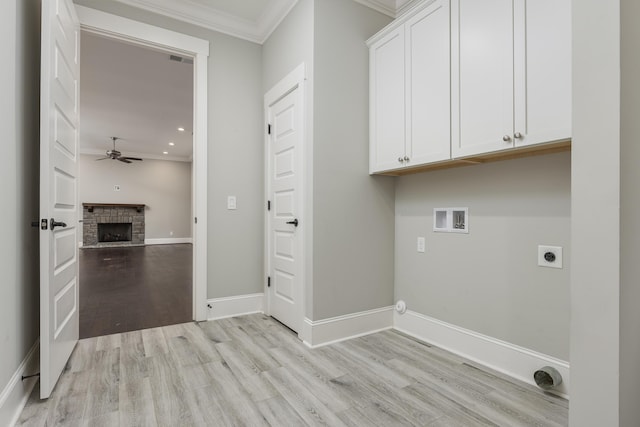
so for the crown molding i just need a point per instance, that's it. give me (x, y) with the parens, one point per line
(98, 152)
(392, 8)
(208, 17)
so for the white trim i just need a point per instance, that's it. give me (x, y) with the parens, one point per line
(510, 359)
(168, 241)
(131, 31)
(294, 80)
(235, 306)
(208, 17)
(16, 393)
(341, 328)
(386, 7)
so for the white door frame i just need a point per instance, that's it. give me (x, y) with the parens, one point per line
(294, 80)
(135, 32)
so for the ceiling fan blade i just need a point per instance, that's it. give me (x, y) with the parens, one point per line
(124, 160)
(132, 158)
(103, 158)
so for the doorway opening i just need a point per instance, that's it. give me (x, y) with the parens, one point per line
(163, 121)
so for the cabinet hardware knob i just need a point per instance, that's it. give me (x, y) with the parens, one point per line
(517, 135)
(400, 159)
(406, 159)
(506, 138)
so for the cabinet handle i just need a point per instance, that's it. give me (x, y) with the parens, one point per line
(506, 138)
(517, 135)
(406, 159)
(400, 159)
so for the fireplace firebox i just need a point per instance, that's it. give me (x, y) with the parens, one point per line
(114, 232)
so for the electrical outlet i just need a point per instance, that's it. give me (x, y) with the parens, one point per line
(550, 256)
(421, 244)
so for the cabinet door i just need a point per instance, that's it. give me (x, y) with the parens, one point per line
(542, 70)
(387, 116)
(482, 76)
(428, 134)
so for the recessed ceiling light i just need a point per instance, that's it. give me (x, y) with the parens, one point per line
(165, 152)
(181, 129)
(172, 144)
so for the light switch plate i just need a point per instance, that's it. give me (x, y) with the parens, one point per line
(231, 202)
(421, 244)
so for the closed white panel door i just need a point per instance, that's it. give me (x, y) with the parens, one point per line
(542, 71)
(428, 85)
(58, 189)
(387, 115)
(482, 76)
(285, 220)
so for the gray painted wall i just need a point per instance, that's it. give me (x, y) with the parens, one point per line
(164, 186)
(350, 255)
(353, 212)
(290, 45)
(19, 113)
(235, 153)
(630, 212)
(488, 280)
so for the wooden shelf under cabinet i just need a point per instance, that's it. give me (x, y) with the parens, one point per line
(513, 153)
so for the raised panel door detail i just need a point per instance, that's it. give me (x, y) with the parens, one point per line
(60, 74)
(284, 157)
(387, 113)
(428, 85)
(482, 76)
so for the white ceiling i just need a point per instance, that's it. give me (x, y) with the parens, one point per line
(252, 20)
(120, 97)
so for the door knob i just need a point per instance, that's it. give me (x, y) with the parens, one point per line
(53, 224)
(294, 222)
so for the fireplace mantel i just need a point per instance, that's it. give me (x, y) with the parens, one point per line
(139, 208)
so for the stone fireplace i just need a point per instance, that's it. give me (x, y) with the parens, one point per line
(111, 224)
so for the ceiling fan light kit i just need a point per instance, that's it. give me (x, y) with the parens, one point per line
(114, 154)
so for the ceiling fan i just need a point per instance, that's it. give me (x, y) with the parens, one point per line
(116, 155)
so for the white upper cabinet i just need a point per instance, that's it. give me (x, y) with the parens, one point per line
(543, 70)
(511, 74)
(428, 124)
(410, 90)
(387, 116)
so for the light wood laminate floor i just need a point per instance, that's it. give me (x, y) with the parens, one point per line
(252, 371)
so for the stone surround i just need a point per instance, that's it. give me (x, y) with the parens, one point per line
(103, 213)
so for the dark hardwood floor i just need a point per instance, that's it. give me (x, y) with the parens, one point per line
(130, 288)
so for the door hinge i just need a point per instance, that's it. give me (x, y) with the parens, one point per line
(268, 281)
(268, 205)
(195, 220)
(269, 128)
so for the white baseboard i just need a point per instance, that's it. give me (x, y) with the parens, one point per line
(510, 359)
(168, 241)
(235, 306)
(16, 393)
(317, 333)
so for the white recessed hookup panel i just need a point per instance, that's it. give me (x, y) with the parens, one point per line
(451, 220)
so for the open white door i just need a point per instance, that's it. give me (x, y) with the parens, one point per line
(59, 123)
(284, 112)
